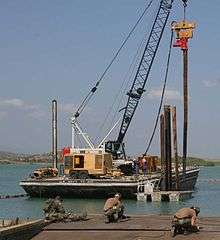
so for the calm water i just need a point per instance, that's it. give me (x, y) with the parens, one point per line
(207, 196)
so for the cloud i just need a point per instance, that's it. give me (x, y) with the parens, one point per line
(15, 102)
(32, 110)
(35, 111)
(211, 83)
(169, 94)
(67, 108)
(38, 114)
(3, 115)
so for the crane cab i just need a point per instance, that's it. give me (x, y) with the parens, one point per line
(116, 149)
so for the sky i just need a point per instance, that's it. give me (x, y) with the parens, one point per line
(58, 50)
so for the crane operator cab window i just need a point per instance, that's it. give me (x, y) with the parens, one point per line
(79, 161)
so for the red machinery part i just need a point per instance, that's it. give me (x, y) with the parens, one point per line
(65, 150)
(182, 43)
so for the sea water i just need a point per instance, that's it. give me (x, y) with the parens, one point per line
(206, 196)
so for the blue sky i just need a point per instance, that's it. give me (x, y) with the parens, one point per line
(58, 49)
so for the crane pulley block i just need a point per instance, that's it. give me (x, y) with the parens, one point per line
(184, 31)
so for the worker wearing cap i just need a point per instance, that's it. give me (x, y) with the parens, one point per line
(144, 165)
(114, 208)
(188, 216)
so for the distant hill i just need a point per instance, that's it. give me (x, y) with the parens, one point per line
(8, 157)
(214, 160)
(201, 162)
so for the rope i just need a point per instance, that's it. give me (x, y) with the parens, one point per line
(162, 95)
(184, 9)
(93, 90)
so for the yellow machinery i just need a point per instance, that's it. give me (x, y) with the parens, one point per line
(184, 31)
(45, 172)
(85, 163)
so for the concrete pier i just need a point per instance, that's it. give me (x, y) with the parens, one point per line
(23, 230)
(137, 227)
(168, 196)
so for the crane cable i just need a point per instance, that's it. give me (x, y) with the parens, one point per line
(184, 9)
(93, 90)
(162, 95)
(123, 88)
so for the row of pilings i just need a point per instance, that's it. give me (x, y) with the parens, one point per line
(168, 135)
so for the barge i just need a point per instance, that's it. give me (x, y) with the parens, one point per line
(100, 188)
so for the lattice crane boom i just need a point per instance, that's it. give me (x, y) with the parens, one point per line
(144, 68)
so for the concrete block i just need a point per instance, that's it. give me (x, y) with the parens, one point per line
(156, 197)
(141, 197)
(174, 197)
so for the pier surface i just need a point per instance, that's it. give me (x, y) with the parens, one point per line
(137, 227)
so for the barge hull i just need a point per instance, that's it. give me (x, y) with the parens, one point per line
(78, 191)
(94, 189)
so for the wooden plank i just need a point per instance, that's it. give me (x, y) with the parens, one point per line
(139, 227)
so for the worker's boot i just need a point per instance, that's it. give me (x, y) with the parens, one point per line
(174, 230)
(110, 218)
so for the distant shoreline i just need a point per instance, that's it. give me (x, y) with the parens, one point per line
(46, 158)
(10, 162)
(19, 158)
(191, 162)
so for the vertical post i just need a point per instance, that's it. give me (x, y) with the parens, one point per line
(54, 132)
(168, 154)
(162, 142)
(185, 107)
(184, 32)
(163, 185)
(175, 150)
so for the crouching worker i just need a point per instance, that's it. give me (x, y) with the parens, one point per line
(185, 220)
(54, 209)
(114, 209)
